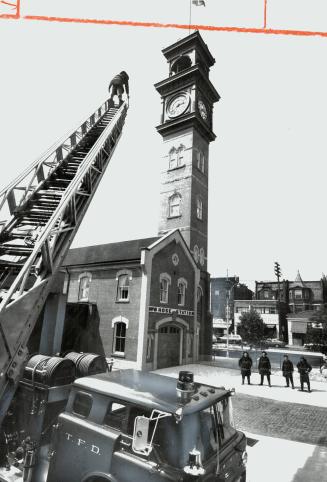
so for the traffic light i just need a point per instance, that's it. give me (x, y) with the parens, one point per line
(277, 270)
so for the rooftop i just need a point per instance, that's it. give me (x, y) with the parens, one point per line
(112, 252)
(150, 389)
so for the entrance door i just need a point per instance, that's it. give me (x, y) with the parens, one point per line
(168, 346)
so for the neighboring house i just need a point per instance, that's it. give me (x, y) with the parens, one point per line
(267, 309)
(223, 292)
(297, 300)
(297, 324)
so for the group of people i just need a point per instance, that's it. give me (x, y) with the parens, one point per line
(264, 367)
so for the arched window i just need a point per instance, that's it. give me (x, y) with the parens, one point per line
(165, 281)
(199, 294)
(172, 158)
(180, 155)
(181, 64)
(175, 206)
(199, 303)
(84, 286)
(176, 157)
(199, 208)
(119, 325)
(200, 160)
(123, 288)
(196, 253)
(181, 291)
(201, 256)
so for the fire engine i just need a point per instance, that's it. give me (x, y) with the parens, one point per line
(63, 418)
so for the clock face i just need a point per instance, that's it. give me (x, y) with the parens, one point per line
(178, 105)
(203, 110)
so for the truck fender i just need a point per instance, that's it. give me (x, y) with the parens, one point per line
(102, 477)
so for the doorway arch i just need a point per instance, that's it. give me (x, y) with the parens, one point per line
(169, 341)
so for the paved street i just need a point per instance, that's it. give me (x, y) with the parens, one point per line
(292, 421)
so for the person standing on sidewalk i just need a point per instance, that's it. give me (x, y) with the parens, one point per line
(264, 367)
(288, 370)
(323, 367)
(304, 369)
(245, 364)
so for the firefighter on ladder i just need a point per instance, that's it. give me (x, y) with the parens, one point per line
(117, 85)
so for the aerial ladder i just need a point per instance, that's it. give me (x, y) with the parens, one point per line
(40, 212)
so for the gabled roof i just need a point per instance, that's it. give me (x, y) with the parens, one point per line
(112, 252)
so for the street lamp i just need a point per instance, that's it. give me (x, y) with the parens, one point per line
(228, 312)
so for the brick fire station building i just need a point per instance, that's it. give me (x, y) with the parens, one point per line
(145, 302)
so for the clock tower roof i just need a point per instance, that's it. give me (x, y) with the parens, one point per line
(191, 42)
(194, 74)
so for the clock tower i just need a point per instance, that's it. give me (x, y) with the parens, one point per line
(186, 127)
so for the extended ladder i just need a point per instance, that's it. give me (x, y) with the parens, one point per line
(41, 211)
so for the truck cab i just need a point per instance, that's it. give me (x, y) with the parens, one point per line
(129, 426)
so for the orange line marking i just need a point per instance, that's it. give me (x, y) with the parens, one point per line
(270, 31)
(8, 16)
(11, 16)
(265, 14)
(8, 3)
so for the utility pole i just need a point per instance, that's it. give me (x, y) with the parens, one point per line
(228, 293)
(278, 275)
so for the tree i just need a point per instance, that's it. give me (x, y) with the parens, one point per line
(316, 336)
(252, 327)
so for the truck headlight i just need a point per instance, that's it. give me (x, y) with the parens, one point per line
(194, 467)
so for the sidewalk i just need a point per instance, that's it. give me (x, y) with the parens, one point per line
(273, 459)
(230, 378)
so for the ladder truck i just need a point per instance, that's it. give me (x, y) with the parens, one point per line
(40, 213)
(125, 426)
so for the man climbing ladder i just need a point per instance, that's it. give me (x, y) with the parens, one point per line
(117, 86)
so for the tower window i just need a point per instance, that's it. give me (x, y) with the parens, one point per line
(201, 256)
(123, 288)
(181, 290)
(200, 161)
(172, 158)
(199, 208)
(175, 206)
(176, 157)
(196, 253)
(181, 64)
(164, 286)
(84, 286)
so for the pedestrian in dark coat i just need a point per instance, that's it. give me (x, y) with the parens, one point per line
(288, 370)
(304, 369)
(245, 364)
(264, 367)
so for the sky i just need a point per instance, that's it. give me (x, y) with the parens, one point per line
(267, 178)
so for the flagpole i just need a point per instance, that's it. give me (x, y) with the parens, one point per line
(189, 25)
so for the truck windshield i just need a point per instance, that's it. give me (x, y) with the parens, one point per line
(206, 430)
(217, 426)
